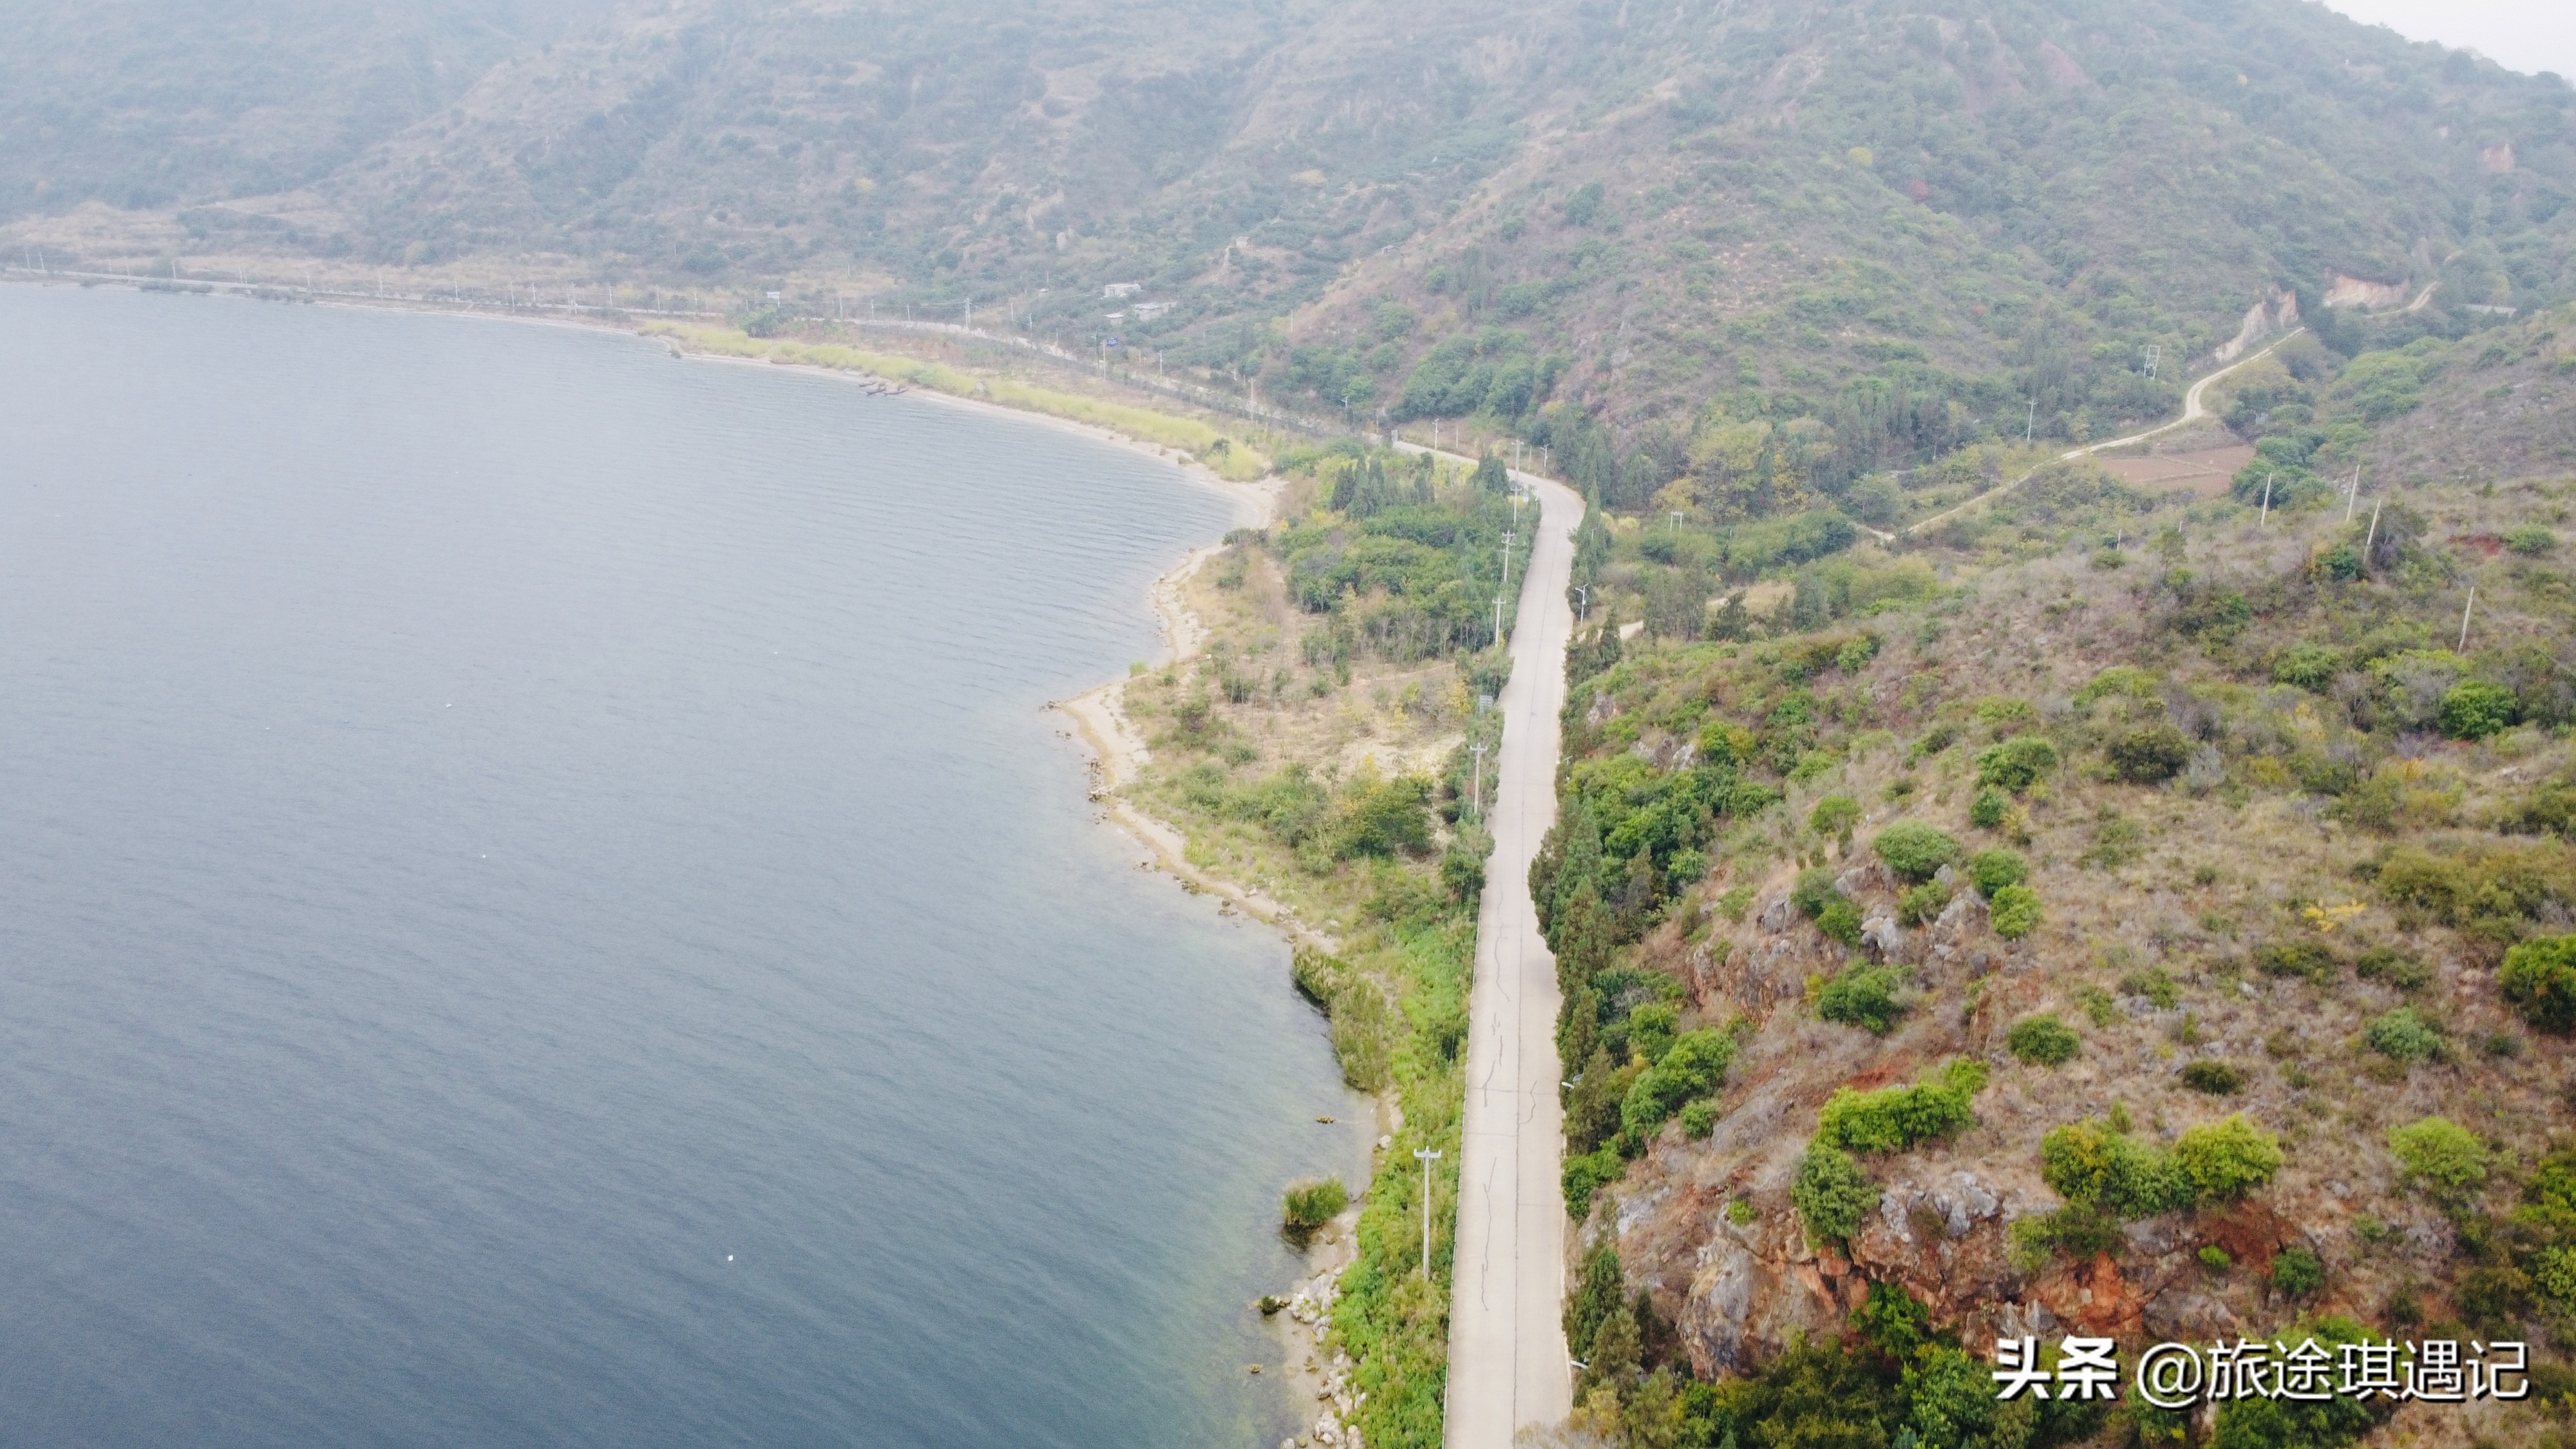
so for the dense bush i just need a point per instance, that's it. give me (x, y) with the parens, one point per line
(2017, 763)
(1921, 903)
(2308, 960)
(2475, 710)
(1832, 1193)
(2331, 1423)
(2539, 981)
(1310, 1205)
(2214, 1078)
(1586, 1173)
(1812, 890)
(1840, 921)
(2150, 755)
(1699, 1119)
(1992, 870)
(2395, 967)
(1692, 1067)
(2403, 1036)
(2491, 891)
(2309, 666)
(2042, 1040)
(2094, 1164)
(1892, 1119)
(2227, 1159)
(2016, 912)
(2298, 1272)
(1989, 807)
(1863, 996)
(2446, 1157)
(1914, 850)
(1834, 815)
(2098, 1165)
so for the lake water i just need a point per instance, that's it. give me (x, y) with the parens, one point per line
(538, 905)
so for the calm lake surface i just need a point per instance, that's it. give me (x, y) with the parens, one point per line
(538, 906)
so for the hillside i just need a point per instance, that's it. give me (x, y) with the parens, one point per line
(1890, 231)
(2125, 913)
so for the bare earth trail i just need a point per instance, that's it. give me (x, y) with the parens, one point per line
(2193, 410)
(1508, 1366)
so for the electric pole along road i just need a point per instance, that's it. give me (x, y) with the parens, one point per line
(1507, 1355)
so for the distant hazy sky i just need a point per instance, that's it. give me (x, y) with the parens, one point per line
(2523, 35)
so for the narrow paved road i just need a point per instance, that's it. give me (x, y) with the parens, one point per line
(1507, 1357)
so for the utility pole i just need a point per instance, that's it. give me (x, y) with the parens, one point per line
(1582, 601)
(2266, 520)
(1427, 1156)
(2464, 620)
(1476, 791)
(2030, 422)
(2374, 535)
(2352, 496)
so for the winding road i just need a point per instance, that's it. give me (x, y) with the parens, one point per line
(2193, 410)
(1508, 1366)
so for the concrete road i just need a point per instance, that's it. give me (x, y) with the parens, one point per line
(1507, 1358)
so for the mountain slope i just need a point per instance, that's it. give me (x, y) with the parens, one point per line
(1908, 224)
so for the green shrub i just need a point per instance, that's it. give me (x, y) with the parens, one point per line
(1840, 921)
(2441, 1154)
(2490, 891)
(2094, 1164)
(2402, 1036)
(2042, 1041)
(2539, 981)
(2017, 763)
(1989, 808)
(1863, 996)
(2476, 709)
(1922, 903)
(2217, 1079)
(2016, 912)
(2531, 540)
(2215, 1258)
(2150, 755)
(2079, 1230)
(1699, 1119)
(2396, 968)
(1914, 850)
(1585, 1175)
(2332, 1423)
(1834, 815)
(1310, 1205)
(1814, 887)
(2156, 984)
(1892, 1119)
(1855, 656)
(2309, 666)
(1832, 1194)
(2297, 1272)
(1992, 870)
(2227, 1159)
(1692, 1067)
(2309, 960)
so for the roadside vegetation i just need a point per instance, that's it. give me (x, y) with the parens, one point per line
(1321, 751)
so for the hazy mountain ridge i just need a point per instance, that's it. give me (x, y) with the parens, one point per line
(1904, 223)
